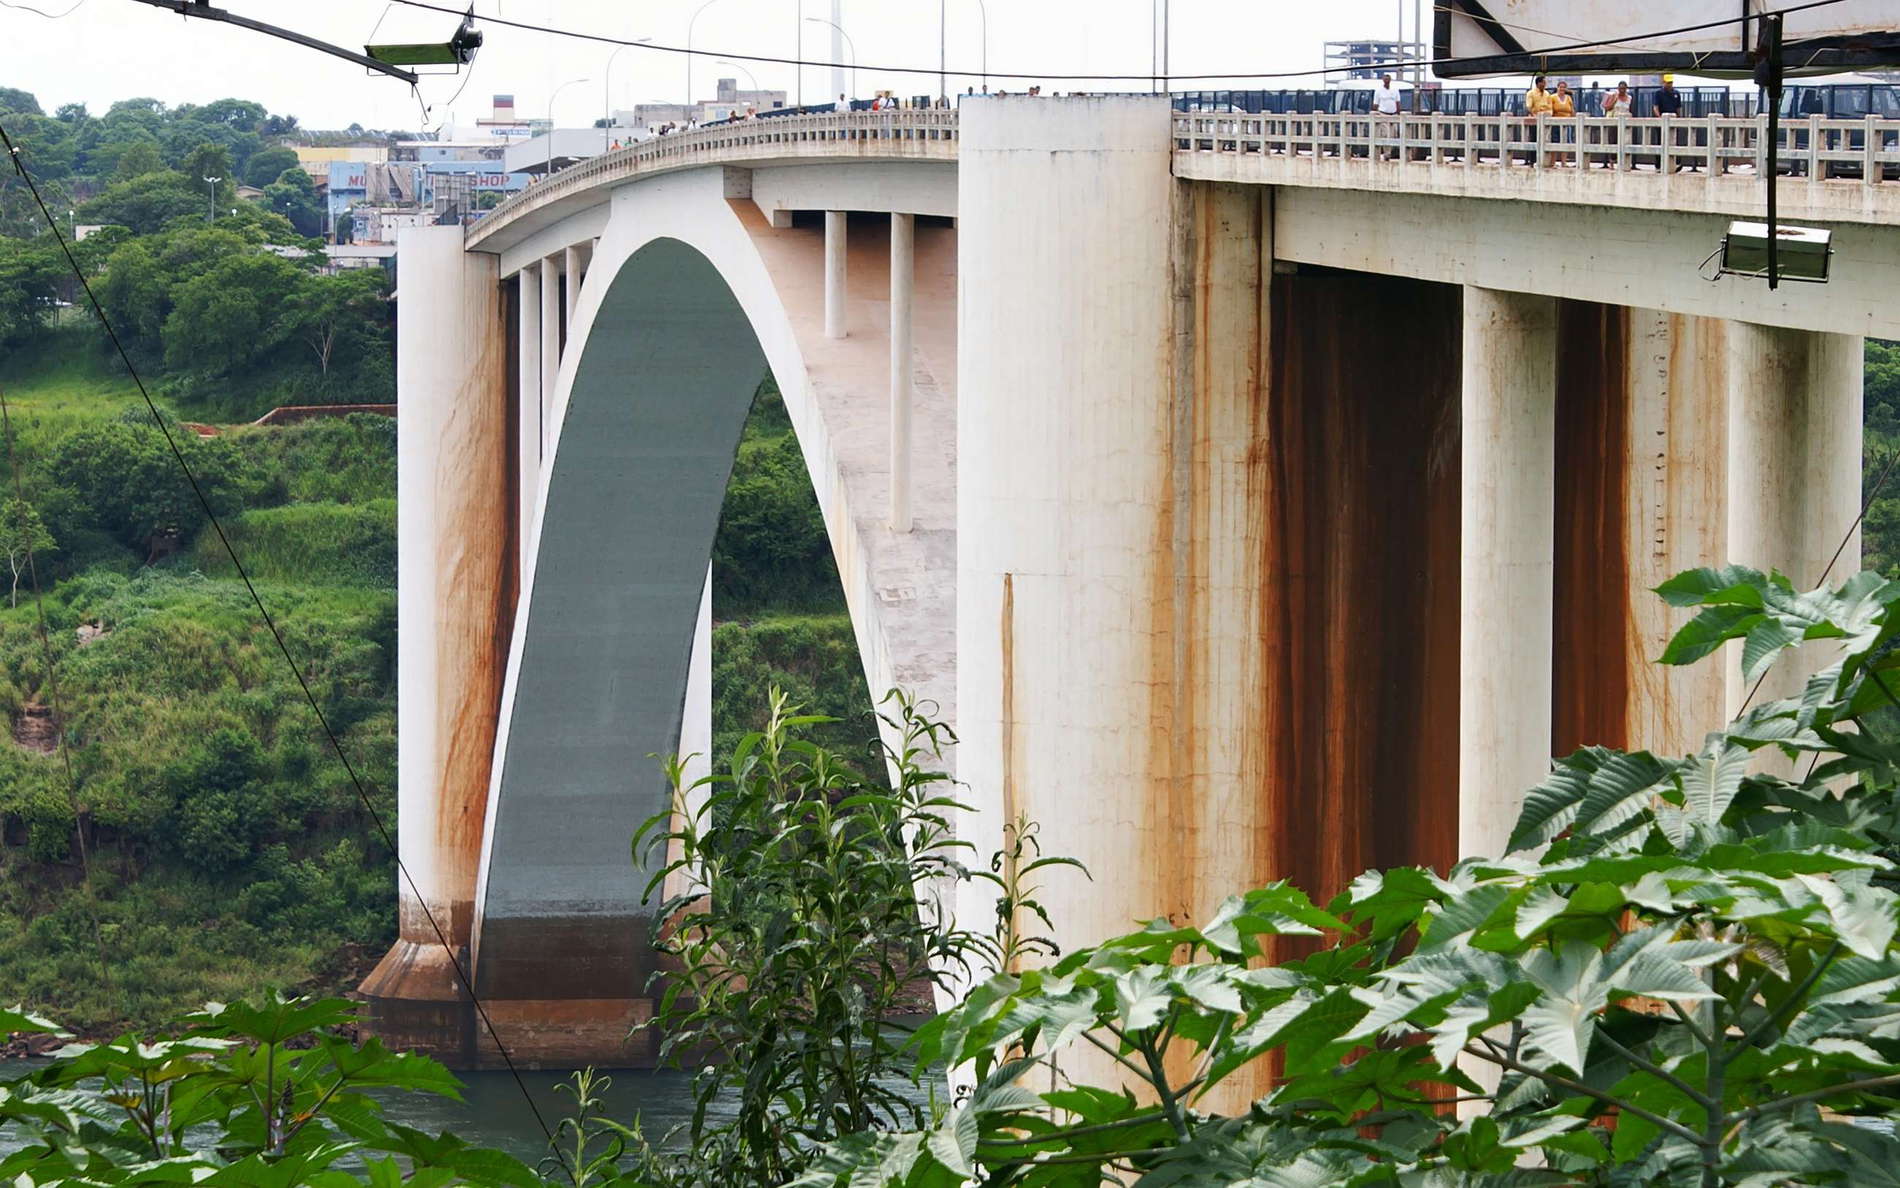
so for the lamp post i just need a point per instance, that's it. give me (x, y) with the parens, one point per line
(607, 92)
(551, 98)
(847, 40)
(689, 49)
(749, 77)
(985, 10)
(211, 193)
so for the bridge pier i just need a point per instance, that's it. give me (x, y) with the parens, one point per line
(903, 267)
(837, 226)
(455, 597)
(1794, 414)
(1507, 571)
(527, 404)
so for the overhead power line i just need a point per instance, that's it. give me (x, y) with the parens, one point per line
(770, 59)
(296, 671)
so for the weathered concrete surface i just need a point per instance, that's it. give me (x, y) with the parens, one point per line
(1794, 419)
(1190, 499)
(1646, 259)
(456, 601)
(1505, 587)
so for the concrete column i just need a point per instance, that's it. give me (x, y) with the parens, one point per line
(451, 535)
(1062, 499)
(528, 406)
(903, 261)
(834, 273)
(576, 268)
(550, 348)
(1508, 560)
(1794, 468)
(1676, 516)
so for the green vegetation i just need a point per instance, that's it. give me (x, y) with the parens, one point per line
(225, 849)
(220, 300)
(1880, 536)
(777, 602)
(273, 1095)
(799, 937)
(1684, 974)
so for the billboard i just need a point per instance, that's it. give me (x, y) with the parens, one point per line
(1710, 37)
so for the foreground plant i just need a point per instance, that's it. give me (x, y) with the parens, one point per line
(1683, 974)
(810, 915)
(263, 1096)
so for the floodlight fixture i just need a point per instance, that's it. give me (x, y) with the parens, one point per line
(1803, 253)
(458, 50)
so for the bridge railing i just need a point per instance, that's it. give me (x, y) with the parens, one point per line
(1820, 149)
(926, 133)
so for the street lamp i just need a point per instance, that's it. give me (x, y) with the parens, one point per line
(848, 42)
(607, 91)
(985, 10)
(551, 98)
(689, 49)
(748, 73)
(211, 191)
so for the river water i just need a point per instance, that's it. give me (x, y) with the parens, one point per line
(494, 1113)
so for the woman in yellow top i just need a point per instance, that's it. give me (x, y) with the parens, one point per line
(1562, 105)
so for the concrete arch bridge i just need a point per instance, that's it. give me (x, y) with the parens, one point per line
(1257, 499)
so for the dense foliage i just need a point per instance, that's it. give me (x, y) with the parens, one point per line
(218, 296)
(1880, 538)
(1685, 973)
(206, 840)
(269, 1095)
(779, 609)
(799, 937)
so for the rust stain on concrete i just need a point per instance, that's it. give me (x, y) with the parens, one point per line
(1361, 576)
(1592, 615)
(476, 597)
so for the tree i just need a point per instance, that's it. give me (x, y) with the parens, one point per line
(29, 276)
(23, 537)
(14, 101)
(294, 196)
(230, 316)
(211, 160)
(139, 158)
(266, 165)
(1684, 973)
(146, 203)
(327, 309)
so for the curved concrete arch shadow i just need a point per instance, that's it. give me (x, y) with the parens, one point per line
(650, 422)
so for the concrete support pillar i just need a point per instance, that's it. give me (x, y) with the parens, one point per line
(903, 261)
(1794, 468)
(576, 266)
(1063, 501)
(834, 273)
(1675, 487)
(550, 348)
(1506, 572)
(452, 535)
(528, 405)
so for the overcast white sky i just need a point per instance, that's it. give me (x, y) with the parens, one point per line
(108, 50)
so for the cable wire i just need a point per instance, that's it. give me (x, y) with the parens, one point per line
(40, 12)
(283, 648)
(771, 59)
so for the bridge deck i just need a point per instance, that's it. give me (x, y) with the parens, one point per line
(1841, 168)
(1701, 166)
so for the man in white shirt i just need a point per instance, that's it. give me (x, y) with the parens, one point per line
(1385, 102)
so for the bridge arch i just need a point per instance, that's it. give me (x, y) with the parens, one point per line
(678, 318)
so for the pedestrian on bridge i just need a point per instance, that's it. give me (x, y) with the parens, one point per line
(1385, 102)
